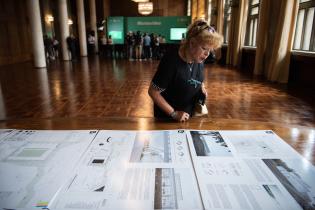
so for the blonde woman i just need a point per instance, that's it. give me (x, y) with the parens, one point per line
(178, 82)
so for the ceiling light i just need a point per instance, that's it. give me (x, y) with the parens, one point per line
(145, 8)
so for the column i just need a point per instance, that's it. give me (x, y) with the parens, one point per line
(37, 34)
(106, 12)
(64, 28)
(93, 22)
(81, 27)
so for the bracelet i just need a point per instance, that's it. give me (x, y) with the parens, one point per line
(173, 114)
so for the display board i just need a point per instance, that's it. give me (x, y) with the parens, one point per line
(166, 169)
(157, 25)
(115, 29)
(178, 33)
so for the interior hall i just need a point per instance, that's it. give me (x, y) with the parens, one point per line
(68, 65)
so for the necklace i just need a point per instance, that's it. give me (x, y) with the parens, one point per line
(190, 66)
(183, 54)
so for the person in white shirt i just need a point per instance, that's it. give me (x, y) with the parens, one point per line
(91, 43)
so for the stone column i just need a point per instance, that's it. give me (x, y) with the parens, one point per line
(37, 34)
(64, 28)
(81, 27)
(106, 12)
(93, 22)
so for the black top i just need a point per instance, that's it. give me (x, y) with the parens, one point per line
(179, 82)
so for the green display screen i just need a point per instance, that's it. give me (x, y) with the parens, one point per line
(116, 34)
(177, 33)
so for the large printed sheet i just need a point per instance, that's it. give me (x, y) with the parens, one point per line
(133, 170)
(5, 132)
(168, 169)
(34, 164)
(250, 170)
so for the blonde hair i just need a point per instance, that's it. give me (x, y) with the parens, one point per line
(203, 33)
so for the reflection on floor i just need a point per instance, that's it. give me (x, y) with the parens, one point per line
(97, 87)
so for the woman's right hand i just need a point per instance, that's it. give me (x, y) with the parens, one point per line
(181, 116)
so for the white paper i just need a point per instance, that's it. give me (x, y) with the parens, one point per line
(34, 165)
(173, 169)
(233, 169)
(133, 170)
(5, 132)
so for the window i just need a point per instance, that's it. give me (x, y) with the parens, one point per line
(305, 31)
(252, 22)
(227, 20)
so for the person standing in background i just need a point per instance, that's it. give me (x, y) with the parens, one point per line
(91, 43)
(71, 42)
(146, 46)
(130, 41)
(56, 47)
(110, 46)
(103, 42)
(138, 45)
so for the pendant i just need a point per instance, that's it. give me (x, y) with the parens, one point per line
(190, 66)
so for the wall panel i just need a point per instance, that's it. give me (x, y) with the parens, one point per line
(15, 43)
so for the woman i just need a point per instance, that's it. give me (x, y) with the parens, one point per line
(178, 82)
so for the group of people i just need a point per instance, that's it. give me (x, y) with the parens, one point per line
(73, 45)
(143, 46)
(106, 46)
(51, 46)
(137, 46)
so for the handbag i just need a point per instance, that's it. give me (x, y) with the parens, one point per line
(200, 110)
(200, 106)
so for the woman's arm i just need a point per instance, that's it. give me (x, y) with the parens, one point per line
(159, 100)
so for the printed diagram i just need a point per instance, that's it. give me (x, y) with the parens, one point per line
(33, 151)
(294, 180)
(151, 148)
(213, 168)
(253, 147)
(209, 143)
(165, 196)
(34, 165)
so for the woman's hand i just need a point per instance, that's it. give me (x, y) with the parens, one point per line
(181, 116)
(159, 100)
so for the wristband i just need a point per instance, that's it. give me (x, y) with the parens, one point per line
(173, 114)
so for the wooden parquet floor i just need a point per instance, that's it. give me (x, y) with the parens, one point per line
(112, 94)
(105, 88)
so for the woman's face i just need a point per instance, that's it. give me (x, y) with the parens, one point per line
(200, 52)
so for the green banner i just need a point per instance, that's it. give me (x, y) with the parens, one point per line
(171, 28)
(159, 25)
